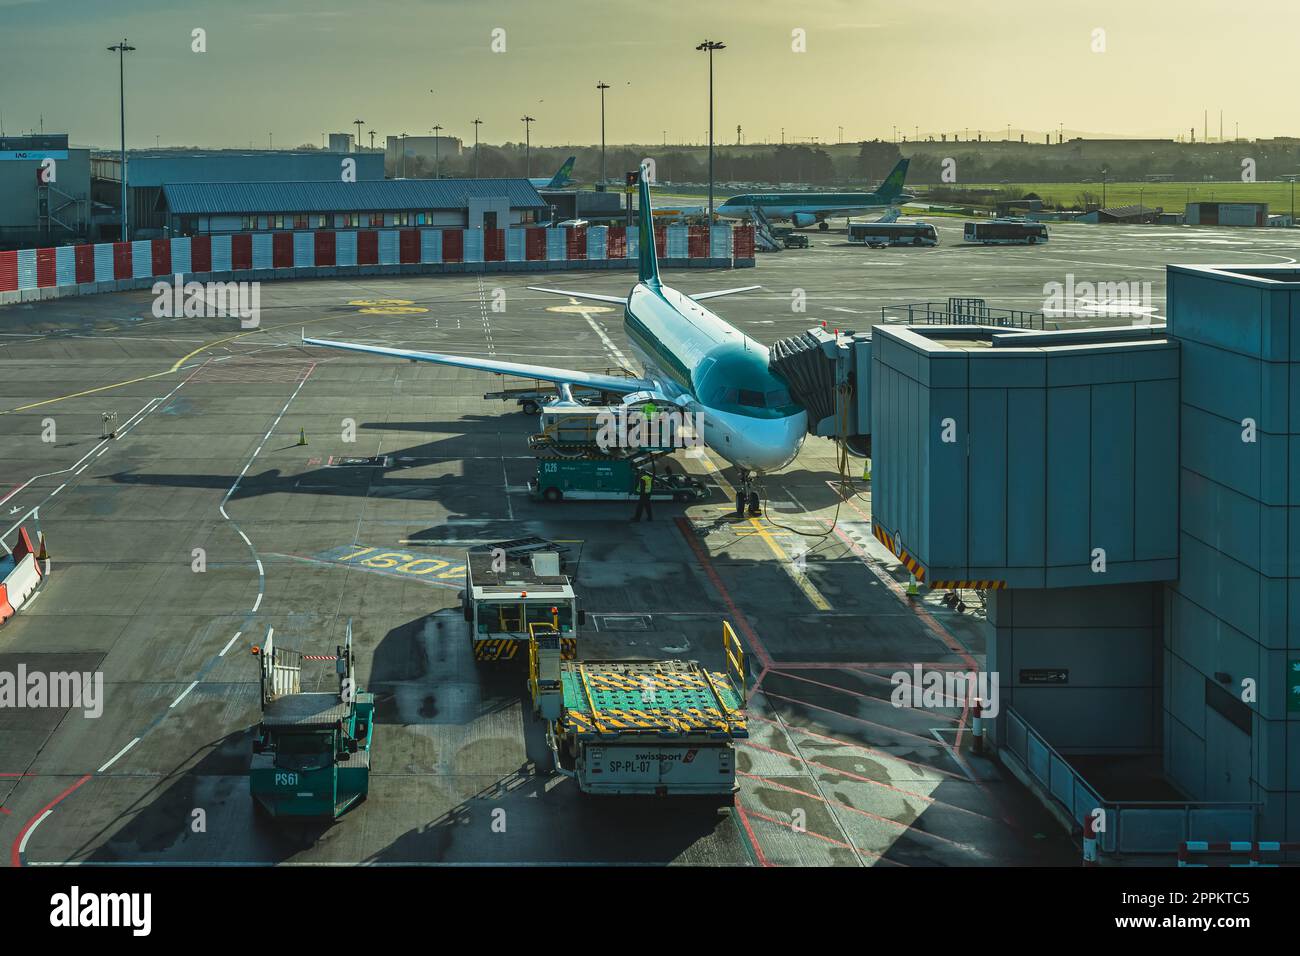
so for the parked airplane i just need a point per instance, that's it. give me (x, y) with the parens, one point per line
(560, 179)
(806, 208)
(693, 359)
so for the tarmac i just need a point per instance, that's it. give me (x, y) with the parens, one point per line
(208, 457)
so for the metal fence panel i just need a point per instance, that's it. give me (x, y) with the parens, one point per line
(27, 268)
(141, 259)
(557, 244)
(472, 245)
(104, 262)
(181, 262)
(304, 250)
(679, 242)
(720, 242)
(263, 250)
(1039, 761)
(389, 250)
(1154, 830)
(65, 265)
(345, 248)
(1221, 825)
(430, 245)
(515, 245)
(221, 254)
(598, 242)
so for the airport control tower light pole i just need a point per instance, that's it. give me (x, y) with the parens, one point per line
(477, 124)
(602, 86)
(710, 46)
(436, 130)
(122, 49)
(528, 150)
(358, 124)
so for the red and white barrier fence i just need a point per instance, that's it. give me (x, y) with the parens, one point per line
(22, 572)
(27, 274)
(1198, 853)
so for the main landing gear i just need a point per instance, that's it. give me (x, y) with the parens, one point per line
(747, 494)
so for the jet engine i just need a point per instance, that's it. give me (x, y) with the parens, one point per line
(803, 219)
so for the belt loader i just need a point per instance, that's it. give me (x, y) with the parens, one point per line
(311, 751)
(640, 726)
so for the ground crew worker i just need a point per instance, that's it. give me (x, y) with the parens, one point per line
(644, 482)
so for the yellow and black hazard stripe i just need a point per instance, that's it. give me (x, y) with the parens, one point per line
(568, 648)
(496, 650)
(968, 585)
(890, 541)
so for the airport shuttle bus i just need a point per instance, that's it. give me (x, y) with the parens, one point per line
(878, 234)
(1006, 232)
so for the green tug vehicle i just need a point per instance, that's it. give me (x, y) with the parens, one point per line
(311, 751)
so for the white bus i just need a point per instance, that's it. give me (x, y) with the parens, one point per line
(879, 234)
(1006, 232)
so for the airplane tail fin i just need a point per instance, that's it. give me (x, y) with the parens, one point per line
(562, 174)
(892, 187)
(648, 260)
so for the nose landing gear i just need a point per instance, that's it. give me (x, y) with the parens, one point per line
(747, 495)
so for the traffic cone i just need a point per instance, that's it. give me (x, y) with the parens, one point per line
(302, 436)
(1089, 840)
(913, 589)
(866, 470)
(43, 556)
(977, 731)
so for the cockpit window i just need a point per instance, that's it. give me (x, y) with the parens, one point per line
(751, 399)
(778, 398)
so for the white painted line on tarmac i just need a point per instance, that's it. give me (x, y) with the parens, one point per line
(245, 537)
(260, 572)
(22, 847)
(57, 490)
(258, 602)
(118, 755)
(231, 644)
(185, 693)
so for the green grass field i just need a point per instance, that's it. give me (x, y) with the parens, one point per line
(1173, 197)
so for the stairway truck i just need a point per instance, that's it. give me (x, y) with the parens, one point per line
(512, 586)
(311, 750)
(666, 728)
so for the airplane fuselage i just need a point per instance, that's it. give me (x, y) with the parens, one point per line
(707, 366)
(785, 206)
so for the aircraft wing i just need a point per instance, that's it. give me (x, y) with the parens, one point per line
(613, 383)
(701, 296)
(618, 299)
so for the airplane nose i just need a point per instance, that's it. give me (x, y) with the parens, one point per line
(774, 443)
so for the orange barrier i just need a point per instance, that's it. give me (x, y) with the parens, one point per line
(6, 609)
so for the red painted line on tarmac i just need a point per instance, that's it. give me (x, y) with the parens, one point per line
(875, 752)
(753, 840)
(7, 813)
(706, 563)
(907, 827)
(820, 836)
(857, 693)
(861, 779)
(14, 858)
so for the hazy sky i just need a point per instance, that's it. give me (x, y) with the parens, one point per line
(303, 67)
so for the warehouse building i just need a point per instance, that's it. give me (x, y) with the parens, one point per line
(149, 170)
(1126, 499)
(1227, 214)
(189, 209)
(45, 192)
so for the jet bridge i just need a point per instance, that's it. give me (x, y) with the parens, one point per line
(829, 374)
